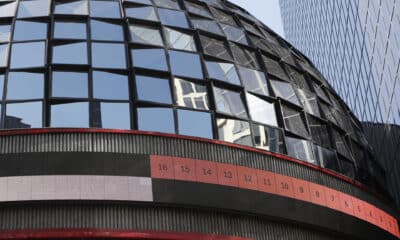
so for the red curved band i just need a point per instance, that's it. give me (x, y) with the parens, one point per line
(105, 233)
(233, 145)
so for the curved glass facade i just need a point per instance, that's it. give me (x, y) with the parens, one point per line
(199, 68)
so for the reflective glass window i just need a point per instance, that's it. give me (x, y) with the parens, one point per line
(24, 55)
(173, 18)
(110, 86)
(215, 48)
(267, 138)
(105, 9)
(34, 8)
(156, 119)
(309, 101)
(5, 32)
(193, 123)
(150, 59)
(261, 111)
(25, 85)
(101, 30)
(319, 131)
(147, 2)
(3, 55)
(341, 144)
(284, 90)
(112, 115)
(254, 81)
(180, 62)
(300, 149)
(223, 71)
(70, 115)
(24, 115)
(108, 55)
(294, 121)
(234, 34)
(27, 30)
(206, 25)
(244, 56)
(71, 7)
(1, 89)
(146, 13)
(146, 35)
(69, 84)
(70, 30)
(234, 131)
(326, 158)
(153, 89)
(167, 3)
(198, 9)
(70, 53)
(223, 17)
(191, 95)
(274, 68)
(180, 40)
(8, 9)
(229, 102)
(347, 168)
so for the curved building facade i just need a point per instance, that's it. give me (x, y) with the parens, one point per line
(174, 119)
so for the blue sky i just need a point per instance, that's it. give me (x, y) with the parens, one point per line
(267, 11)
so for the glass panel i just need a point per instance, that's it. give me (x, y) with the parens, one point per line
(215, 48)
(105, 9)
(341, 144)
(254, 81)
(294, 121)
(69, 84)
(167, 3)
(206, 25)
(261, 111)
(197, 124)
(25, 30)
(319, 131)
(347, 168)
(34, 8)
(70, 115)
(72, 53)
(3, 55)
(148, 2)
(309, 101)
(244, 57)
(150, 58)
(300, 149)
(153, 89)
(197, 9)
(156, 119)
(24, 115)
(223, 17)
(70, 30)
(229, 102)
(146, 13)
(5, 32)
(112, 115)
(234, 131)
(274, 68)
(71, 7)
(106, 31)
(1, 119)
(8, 9)
(173, 18)
(108, 55)
(180, 62)
(223, 71)
(326, 158)
(180, 40)
(270, 139)
(1, 90)
(191, 95)
(24, 55)
(24, 85)
(146, 35)
(284, 90)
(234, 34)
(110, 86)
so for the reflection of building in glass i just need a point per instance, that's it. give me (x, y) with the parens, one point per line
(356, 45)
(173, 119)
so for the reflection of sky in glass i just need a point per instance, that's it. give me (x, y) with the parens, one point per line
(24, 115)
(24, 85)
(185, 64)
(101, 30)
(70, 30)
(26, 30)
(115, 115)
(35, 8)
(150, 58)
(153, 89)
(156, 119)
(27, 54)
(110, 86)
(75, 8)
(108, 55)
(74, 53)
(70, 84)
(108, 9)
(196, 124)
(5, 32)
(3, 54)
(70, 115)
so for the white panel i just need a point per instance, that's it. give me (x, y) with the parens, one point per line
(3, 189)
(67, 187)
(140, 189)
(19, 188)
(92, 187)
(43, 187)
(116, 188)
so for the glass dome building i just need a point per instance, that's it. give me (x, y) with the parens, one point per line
(174, 119)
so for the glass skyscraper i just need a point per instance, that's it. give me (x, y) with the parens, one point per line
(356, 45)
